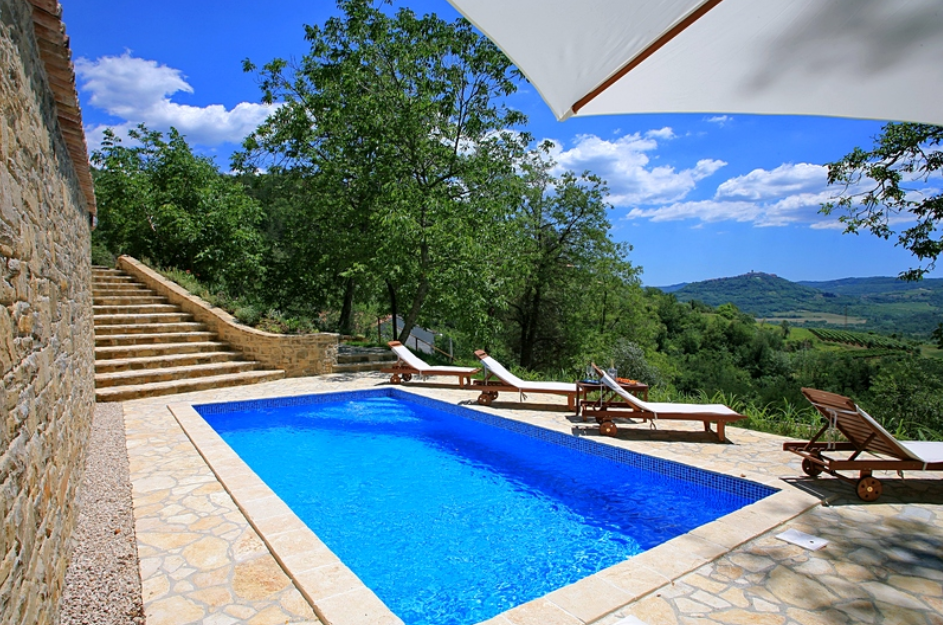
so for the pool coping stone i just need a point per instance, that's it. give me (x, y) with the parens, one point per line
(339, 597)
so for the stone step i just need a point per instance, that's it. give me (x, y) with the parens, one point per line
(136, 291)
(157, 349)
(124, 393)
(156, 362)
(133, 309)
(167, 374)
(116, 340)
(352, 358)
(360, 366)
(116, 278)
(128, 300)
(168, 317)
(106, 270)
(148, 328)
(103, 288)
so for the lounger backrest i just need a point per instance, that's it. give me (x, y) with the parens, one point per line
(498, 369)
(616, 388)
(403, 353)
(855, 424)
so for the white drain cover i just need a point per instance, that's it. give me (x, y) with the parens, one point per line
(806, 541)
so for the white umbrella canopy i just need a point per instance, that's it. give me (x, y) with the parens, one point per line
(872, 59)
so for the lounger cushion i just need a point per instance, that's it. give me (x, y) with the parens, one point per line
(403, 353)
(510, 379)
(928, 452)
(668, 408)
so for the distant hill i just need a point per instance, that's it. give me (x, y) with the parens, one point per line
(672, 287)
(882, 304)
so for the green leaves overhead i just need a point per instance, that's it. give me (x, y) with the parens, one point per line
(905, 155)
(397, 124)
(158, 200)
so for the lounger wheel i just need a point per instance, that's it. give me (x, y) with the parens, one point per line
(407, 377)
(810, 468)
(869, 488)
(608, 428)
(486, 398)
(395, 379)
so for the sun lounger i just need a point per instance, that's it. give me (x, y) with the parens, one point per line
(615, 402)
(498, 379)
(408, 365)
(862, 434)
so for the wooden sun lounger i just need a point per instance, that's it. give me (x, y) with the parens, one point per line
(862, 434)
(609, 407)
(408, 365)
(498, 379)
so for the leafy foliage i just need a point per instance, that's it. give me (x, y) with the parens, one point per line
(396, 123)
(158, 200)
(903, 154)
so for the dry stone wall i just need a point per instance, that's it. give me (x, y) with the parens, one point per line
(46, 331)
(296, 354)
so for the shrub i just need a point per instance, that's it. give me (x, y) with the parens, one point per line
(248, 315)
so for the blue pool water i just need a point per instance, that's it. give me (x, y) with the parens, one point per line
(452, 516)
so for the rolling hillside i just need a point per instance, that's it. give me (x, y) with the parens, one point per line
(880, 304)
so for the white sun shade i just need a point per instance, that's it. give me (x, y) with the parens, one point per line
(873, 59)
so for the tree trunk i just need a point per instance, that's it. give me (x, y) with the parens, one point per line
(347, 309)
(393, 311)
(529, 329)
(410, 321)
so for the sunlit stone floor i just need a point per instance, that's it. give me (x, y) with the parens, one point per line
(201, 561)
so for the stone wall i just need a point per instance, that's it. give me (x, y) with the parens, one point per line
(46, 331)
(297, 354)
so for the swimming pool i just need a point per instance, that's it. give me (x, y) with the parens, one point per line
(451, 515)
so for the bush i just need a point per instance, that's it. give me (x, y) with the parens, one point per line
(101, 255)
(248, 315)
(629, 359)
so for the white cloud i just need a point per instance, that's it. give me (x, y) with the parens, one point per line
(139, 91)
(786, 179)
(704, 210)
(662, 133)
(626, 166)
(720, 120)
(788, 194)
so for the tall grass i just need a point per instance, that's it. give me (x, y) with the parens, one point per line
(783, 418)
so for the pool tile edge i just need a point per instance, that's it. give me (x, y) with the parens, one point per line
(330, 603)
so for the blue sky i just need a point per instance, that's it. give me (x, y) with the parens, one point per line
(697, 196)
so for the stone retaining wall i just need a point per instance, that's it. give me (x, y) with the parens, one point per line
(46, 329)
(297, 354)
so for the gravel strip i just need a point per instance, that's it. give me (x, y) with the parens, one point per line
(103, 582)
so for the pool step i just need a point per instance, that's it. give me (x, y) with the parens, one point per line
(146, 347)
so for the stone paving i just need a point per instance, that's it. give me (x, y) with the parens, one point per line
(201, 561)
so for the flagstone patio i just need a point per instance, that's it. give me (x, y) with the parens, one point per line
(202, 561)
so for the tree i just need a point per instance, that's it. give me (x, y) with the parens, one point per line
(398, 124)
(904, 153)
(160, 201)
(937, 335)
(571, 277)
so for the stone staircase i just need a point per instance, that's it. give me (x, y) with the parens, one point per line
(146, 347)
(352, 359)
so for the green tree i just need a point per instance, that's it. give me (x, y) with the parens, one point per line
(937, 335)
(158, 200)
(398, 122)
(571, 277)
(903, 154)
